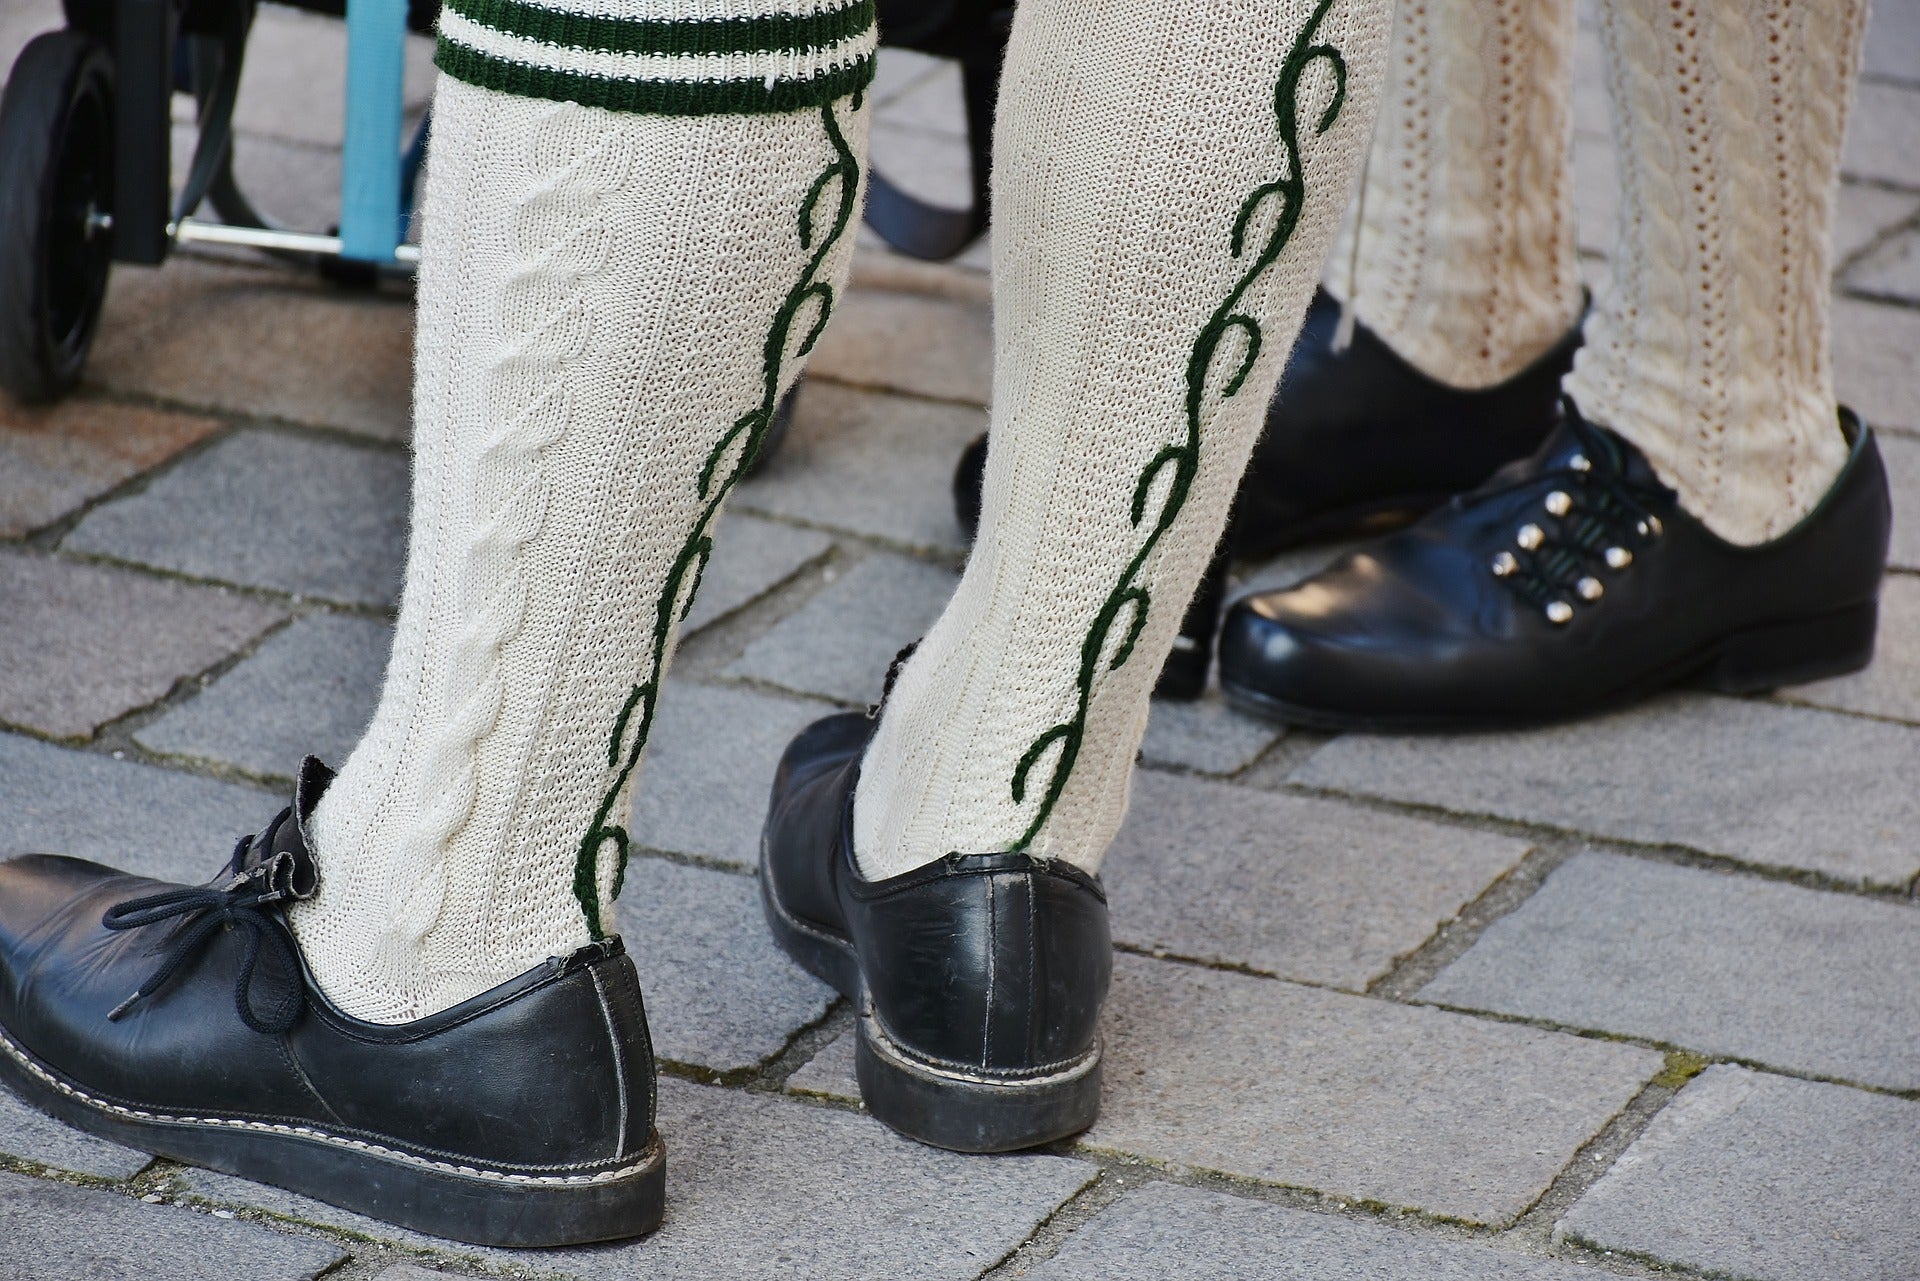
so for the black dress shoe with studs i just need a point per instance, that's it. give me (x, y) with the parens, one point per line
(1570, 583)
(979, 978)
(181, 1020)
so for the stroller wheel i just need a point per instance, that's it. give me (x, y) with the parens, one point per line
(56, 240)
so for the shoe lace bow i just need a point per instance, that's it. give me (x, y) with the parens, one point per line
(240, 897)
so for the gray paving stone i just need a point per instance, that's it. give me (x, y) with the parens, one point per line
(1903, 471)
(933, 165)
(308, 689)
(1205, 735)
(1864, 213)
(767, 1187)
(409, 1272)
(830, 1073)
(703, 785)
(1893, 40)
(1163, 1232)
(55, 458)
(898, 70)
(934, 103)
(259, 340)
(152, 821)
(294, 85)
(1314, 890)
(913, 328)
(1883, 134)
(838, 644)
(720, 993)
(266, 509)
(54, 1232)
(869, 463)
(1761, 1176)
(1891, 686)
(82, 644)
(1873, 346)
(750, 557)
(26, 1134)
(1892, 270)
(1725, 965)
(1761, 782)
(1348, 1095)
(1596, 193)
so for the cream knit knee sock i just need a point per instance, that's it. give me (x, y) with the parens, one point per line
(1709, 347)
(1169, 175)
(638, 213)
(1465, 262)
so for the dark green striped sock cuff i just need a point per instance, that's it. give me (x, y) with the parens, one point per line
(745, 64)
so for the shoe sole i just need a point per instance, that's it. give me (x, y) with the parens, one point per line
(1753, 661)
(456, 1202)
(942, 1105)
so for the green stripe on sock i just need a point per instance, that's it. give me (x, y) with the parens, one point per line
(651, 97)
(771, 33)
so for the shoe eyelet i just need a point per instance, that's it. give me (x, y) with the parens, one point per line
(1589, 589)
(1651, 527)
(1579, 463)
(1559, 503)
(1530, 537)
(1559, 613)
(1618, 558)
(1504, 564)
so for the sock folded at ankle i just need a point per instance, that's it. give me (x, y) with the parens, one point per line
(638, 213)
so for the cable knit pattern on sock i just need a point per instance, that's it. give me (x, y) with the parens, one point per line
(1169, 177)
(1709, 347)
(607, 308)
(1465, 261)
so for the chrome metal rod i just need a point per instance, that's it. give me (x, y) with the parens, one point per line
(192, 230)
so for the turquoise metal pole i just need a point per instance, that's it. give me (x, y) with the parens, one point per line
(371, 220)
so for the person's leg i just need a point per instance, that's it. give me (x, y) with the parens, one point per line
(638, 213)
(1705, 513)
(1169, 176)
(1709, 349)
(613, 297)
(1458, 254)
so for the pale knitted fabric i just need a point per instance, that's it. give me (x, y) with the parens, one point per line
(1709, 347)
(1135, 141)
(1465, 262)
(609, 305)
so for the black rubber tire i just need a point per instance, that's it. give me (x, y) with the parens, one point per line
(56, 152)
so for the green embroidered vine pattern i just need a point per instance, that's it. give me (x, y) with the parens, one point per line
(1182, 460)
(731, 459)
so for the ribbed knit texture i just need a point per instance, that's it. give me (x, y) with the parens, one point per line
(1152, 260)
(1709, 348)
(1466, 265)
(609, 305)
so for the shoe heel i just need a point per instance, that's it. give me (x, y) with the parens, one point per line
(1806, 649)
(966, 1113)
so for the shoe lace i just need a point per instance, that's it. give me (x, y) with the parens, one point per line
(238, 898)
(1599, 518)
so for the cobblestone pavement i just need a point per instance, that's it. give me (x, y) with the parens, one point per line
(1632, 997)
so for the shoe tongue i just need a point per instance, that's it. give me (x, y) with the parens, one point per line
(1614, 452)
(284, 842)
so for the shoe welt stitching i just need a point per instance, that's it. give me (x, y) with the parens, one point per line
(268, 1127)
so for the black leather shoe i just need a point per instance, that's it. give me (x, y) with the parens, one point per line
(979, 978)
(181, 1020)
(1570, 583)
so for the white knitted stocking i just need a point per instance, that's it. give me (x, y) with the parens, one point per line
(1465, 262)
(1709, 348)
(1169, 175)
(638, 215)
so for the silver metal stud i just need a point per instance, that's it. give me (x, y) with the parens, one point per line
(1559, 612)
(1618, 558)
(1504, 564)
(1651, 527)
(1530, 537)
(1559, 503)
(1579, 463)
(1589, 588)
